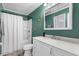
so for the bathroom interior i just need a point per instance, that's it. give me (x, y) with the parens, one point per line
(39, 29)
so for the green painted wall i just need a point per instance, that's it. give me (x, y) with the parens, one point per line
(37, 21)
(38, 26)
(1, 7)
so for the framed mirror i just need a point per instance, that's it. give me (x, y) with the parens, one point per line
(58, 16)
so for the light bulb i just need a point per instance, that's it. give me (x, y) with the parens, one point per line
(45, 4)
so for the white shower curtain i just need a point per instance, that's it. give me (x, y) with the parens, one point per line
(13, 33)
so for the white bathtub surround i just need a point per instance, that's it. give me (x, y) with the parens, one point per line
(27, 32)
(66, 45)
(27, 37)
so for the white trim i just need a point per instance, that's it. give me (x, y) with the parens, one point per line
(15, 12)
(44, 22)
(70, 16)
(57, 29)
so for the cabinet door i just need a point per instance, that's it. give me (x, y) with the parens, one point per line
(35, 47)
(44, 49)
(60, 52)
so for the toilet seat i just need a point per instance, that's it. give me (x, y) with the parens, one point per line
(28, 46)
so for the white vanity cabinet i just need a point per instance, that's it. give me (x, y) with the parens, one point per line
(43, 49)
(59, 52)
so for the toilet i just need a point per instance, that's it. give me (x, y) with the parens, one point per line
(27, 49)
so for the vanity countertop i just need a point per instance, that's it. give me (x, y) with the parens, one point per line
(67, 46)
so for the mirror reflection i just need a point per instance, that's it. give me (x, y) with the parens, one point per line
(58, 17)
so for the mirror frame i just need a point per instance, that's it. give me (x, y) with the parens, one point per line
(69, 24)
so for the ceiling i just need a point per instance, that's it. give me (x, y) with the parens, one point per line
(21, 8)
